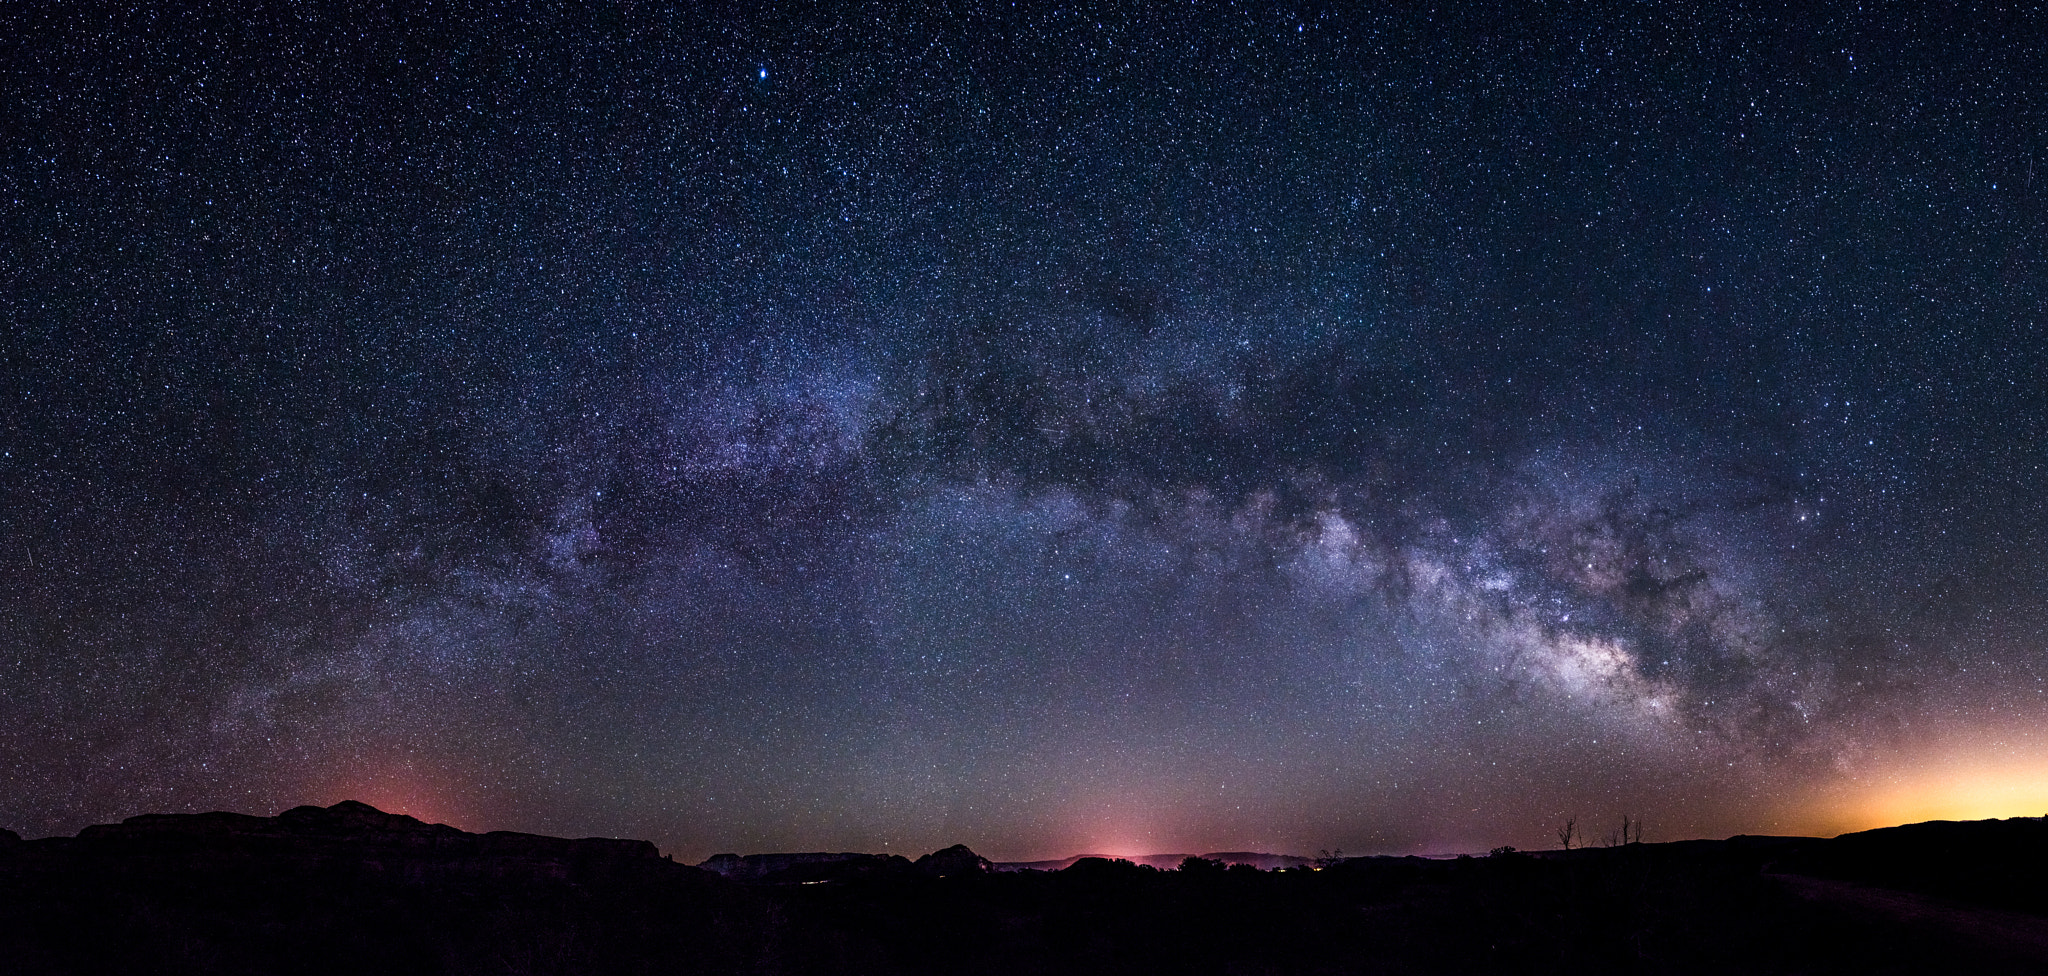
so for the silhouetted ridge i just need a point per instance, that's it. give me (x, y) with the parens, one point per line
(355, 815)
(804, 866)
(1094, 866)
(2002, 863)
(350, 827)
(351, 889)
(815, 866)
(1264, 862)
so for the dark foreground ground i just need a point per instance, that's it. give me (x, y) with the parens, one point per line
(348, 889)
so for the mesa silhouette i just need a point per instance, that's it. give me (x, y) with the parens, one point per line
(351, 889)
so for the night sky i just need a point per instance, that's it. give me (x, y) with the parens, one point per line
(1188, 427)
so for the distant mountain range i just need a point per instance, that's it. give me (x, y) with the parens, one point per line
(1167, 862)
(817, 865)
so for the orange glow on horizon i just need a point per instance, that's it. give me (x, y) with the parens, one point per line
(1953, 782)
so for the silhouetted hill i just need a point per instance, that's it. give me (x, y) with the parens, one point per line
(954, 861)
(1054, 864)
(351, 889)
(2001, 863)
(1264, 862)
(349, 831)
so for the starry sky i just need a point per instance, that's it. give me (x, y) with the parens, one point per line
(1141, 428)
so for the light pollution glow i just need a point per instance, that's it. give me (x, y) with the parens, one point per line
(1950, 781)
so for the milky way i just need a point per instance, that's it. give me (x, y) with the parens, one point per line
(1054, 431)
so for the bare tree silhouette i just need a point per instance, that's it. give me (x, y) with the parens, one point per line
(1630, 832)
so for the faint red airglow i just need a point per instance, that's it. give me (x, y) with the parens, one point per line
(1113, 820)
(398, 790)
(1114, 852)
(1112, 843)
